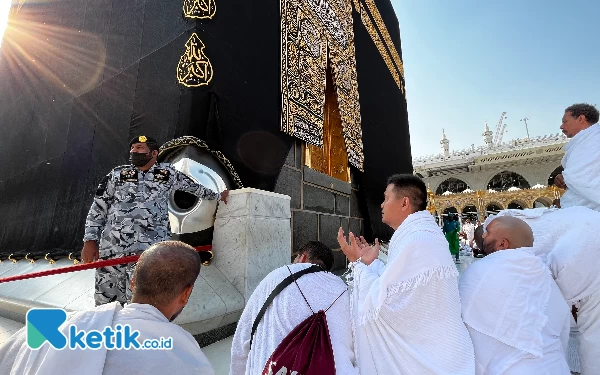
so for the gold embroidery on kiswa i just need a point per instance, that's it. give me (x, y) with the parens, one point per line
(202, 9)
(316, 33)
(396, 71)
(386, 35)
(194, 68)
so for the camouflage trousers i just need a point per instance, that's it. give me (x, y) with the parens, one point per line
(112, 284)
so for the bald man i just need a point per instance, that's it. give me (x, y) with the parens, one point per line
(517, 318)
(162, 283)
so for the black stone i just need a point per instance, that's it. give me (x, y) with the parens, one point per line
(289, 183)
(320, 179)
(328, 230)
(342, 205)
(319, 200)
(304, 228)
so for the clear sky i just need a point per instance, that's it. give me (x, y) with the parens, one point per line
(467, 61)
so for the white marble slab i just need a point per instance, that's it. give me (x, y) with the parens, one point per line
(6, 266)
(252, 237)
(269, 247)
(252, 202)
(203, 304)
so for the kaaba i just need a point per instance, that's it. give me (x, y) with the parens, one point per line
(300, 97)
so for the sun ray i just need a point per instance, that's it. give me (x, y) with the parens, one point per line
(5, 6)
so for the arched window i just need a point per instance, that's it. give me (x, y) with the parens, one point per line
(469, 212)
(516, 205)
(542, 202)
(453, 185)
(492, 209)
(554, 173)
(505, 180)
(448, 212)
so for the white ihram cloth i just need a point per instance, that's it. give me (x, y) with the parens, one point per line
(288, 310)
(518, 320)
(184, 358)
(407, 313)
(574, 263)
(582, 169)
(564, 238)
(16, 358)
(469, 230)
(547, 224)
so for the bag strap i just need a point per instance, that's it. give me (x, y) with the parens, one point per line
(305, 300)
(282, 285)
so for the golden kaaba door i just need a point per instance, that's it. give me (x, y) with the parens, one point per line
(332, 159)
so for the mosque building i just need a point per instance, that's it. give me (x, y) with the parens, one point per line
(498, 175)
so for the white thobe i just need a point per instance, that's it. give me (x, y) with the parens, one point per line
(582, 169)
(407, 313)
(288, 310)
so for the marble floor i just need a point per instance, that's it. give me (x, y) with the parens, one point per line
(465, 261)
(219, 355)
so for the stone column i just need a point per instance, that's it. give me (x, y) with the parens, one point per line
(252, 237)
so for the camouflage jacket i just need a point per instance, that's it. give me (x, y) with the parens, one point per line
(130, 209)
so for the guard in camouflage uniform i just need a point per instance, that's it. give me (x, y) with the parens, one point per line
(130, 213)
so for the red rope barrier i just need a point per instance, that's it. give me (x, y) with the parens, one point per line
(82, 267)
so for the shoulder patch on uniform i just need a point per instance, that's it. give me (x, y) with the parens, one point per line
(128, 175)
(161, 175)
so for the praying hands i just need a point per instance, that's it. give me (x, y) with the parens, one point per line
(358, 248)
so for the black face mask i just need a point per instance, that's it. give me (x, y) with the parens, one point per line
(139, 159)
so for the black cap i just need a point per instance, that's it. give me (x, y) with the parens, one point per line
(143, 139)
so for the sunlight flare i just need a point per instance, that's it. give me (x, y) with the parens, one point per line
(4, 10)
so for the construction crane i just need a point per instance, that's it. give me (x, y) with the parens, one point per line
(500, 128)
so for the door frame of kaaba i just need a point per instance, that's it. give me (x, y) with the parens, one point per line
(316, 34)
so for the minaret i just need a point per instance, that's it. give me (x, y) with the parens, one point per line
(445, 144)
(488, 136)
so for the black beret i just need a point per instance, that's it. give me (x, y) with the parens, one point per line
(143, 139)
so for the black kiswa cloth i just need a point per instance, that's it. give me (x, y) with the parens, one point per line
(135, 126)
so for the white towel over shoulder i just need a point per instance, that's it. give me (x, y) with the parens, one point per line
(407, 313)
(582, 169)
